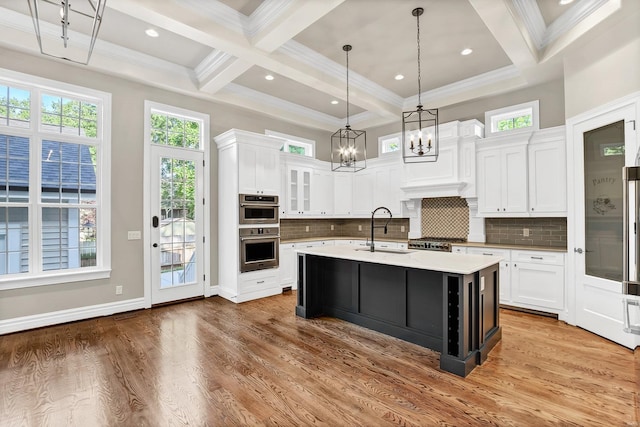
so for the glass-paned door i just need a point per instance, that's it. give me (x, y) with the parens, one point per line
(176, 226)
(601, 146)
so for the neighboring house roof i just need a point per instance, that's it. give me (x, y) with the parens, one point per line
(65, 166)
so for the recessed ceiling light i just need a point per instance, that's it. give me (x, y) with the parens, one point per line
(565, 2)
(269, 77)
(399, 77)
(466, 51)
(151, 32)
(334, 102)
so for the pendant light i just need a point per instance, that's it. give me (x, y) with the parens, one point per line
(420, 126)
(88, 11)
(348, 146)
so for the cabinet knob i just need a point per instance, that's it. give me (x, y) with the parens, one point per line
(503, 209)
(531, 208)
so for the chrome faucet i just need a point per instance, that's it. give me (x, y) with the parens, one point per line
(373, 226)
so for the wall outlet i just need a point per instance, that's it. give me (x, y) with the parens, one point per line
(525, 232)
(306, 229)
(118, 290)
(134, 235)
(402, 228)
(359, 227)
(332, 227)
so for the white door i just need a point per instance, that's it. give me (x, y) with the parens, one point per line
(598, 145)
(176, 232)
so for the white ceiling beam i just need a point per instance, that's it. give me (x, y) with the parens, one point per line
(512, 36)
(291, 21)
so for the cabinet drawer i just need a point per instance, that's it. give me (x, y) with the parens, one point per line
(504, 253)
(538, 257)
(258, 282)
(308, 245)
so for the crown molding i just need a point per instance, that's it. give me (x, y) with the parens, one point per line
(532, 19)
(310, 57)
(571, 18)
(472, 83)
(212, 63)
(219, 13)
(267, 13)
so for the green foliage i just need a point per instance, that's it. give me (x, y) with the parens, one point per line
(174, 131)
(515, 123)
(15, 104)
(296, 149)
(613, 150)
(70, 114)
(178, 187)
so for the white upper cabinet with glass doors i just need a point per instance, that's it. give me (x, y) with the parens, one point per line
(298, 190)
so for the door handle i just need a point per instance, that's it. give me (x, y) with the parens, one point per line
(578, 250)
(155, 245)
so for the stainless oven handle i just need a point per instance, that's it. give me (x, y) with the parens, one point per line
(267, 237)
(259, 205)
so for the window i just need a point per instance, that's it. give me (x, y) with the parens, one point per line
(389, 144)
(522, 117)
(294, 144)
(54, 178)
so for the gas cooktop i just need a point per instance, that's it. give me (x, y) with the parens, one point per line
(428, 243)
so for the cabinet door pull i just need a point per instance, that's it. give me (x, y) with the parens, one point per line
(537, 257)
(487, 253)
(260, 281)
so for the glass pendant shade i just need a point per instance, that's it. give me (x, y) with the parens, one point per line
(348, 146)
(420, 139)
(348, 150)
(420, 135)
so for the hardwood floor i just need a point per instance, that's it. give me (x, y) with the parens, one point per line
(211, 362)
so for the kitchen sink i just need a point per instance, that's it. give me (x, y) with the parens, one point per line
(388, 251)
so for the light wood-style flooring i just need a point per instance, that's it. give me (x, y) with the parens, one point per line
(213, 363)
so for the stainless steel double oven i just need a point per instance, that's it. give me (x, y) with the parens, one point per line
(259, 245)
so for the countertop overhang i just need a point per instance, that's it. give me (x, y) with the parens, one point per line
(445, 262)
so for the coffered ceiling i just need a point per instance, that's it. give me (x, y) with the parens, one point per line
(223, 49)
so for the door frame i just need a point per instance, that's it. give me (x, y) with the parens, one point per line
(146, 204)
(594, 118)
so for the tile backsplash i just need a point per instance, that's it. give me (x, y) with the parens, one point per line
(342, 227)
(550, 232)
(445, 217)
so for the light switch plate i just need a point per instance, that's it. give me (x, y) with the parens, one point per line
(134, 235)
(525, 232)
(481, 283)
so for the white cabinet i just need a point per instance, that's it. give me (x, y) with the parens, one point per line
(504, 271)
(342, 191)
(459, 249)
(258, 284)
(363, 182)
(386, 189)
(548, 176)
(322, 193)
(537, 279)
(298, 190)
(259, 170)
(530, 279)
(288, 276)
(523, 175)
(502, 180)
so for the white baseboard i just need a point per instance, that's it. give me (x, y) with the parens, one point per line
(63, 316)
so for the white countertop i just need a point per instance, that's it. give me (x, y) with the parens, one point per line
(446, 262)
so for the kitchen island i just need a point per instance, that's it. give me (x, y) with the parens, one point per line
(443, 301)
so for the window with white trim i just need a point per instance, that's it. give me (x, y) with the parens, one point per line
(516, 118)
(295, 144)
(389, 143)
(54, 174)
